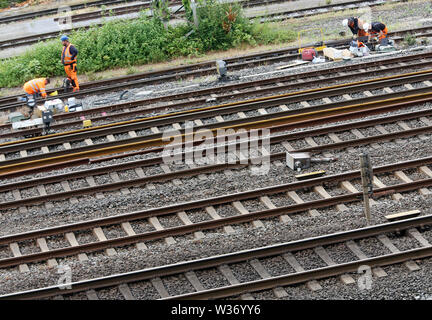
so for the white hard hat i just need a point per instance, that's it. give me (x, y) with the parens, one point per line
(366, 26)
(345, 22)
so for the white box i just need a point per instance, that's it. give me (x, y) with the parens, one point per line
(54, 104)
(71, 101)
(298, 160)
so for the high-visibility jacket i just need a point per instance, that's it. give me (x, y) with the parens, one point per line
(35, 86)
(362, 33)
(377, 27)
(67, 56)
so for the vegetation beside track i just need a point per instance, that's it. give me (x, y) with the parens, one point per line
(8, 3)
(126, 43)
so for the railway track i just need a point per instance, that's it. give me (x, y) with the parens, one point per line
(249, 209)
(158, 171)
(295, 14)
(306, 12)
(10, 103)
(258, 261)
(177, 102)
(32, 15)
(260, 113)
(22, 41)
(113, 12)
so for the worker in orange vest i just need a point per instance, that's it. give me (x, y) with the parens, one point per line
(356, 26)
(378, 30)
(68, 59)
(33, 89)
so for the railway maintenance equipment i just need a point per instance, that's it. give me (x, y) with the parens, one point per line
(358, 48)
(302, 160)
(308, 54)
(47, 118)
(222, 71)
(45, 114)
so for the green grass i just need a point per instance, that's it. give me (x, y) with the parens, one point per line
(7, 3)
(127, 43)
(410, 39)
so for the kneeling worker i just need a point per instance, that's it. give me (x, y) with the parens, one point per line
(356, 26)
(377, 29)
(68, 59)
(33, 89)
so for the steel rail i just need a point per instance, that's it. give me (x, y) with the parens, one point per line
(219, 200)
(233, 107)
(301, 277)
(209, 224)
(214, 261)
(312, 11)
(179, 72)
(30, 15)
(14, 165)
(273, 139)
(192, 172)
(297, 13)
(226, 88)
(23, 16)
(112, 12)
(119, 11)
(201, 169)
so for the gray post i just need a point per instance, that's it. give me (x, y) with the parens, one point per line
(194, 13)
(366, 176)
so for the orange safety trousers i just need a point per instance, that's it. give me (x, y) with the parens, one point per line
(72, 75)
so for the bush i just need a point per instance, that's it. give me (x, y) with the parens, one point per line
(8, 3)
(125, 43)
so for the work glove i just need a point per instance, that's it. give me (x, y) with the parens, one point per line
(74, 68)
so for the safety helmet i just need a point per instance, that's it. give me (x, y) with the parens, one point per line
(366, 26)
(64, 38)
(345, 22)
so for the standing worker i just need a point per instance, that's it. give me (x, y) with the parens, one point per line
(68, 59)
(33, 89)
(377, 29)
(356, 26)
